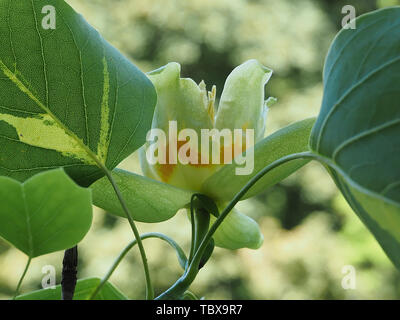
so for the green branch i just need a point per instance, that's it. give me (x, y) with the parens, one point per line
(181, 257)
(149, 286)
(22, 278)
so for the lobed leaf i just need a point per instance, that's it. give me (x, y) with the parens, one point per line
(357, 133)
(67, 97)
(47, 213)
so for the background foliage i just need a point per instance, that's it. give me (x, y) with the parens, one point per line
(310, 232)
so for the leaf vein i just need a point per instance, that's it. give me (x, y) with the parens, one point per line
(42, 53)
(349, 91)
(28, 224)
(133, 133)
(362, 135)
(81, 79)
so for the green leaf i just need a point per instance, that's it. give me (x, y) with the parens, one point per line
(83, 290)
(238, 231)
(67, 97)
(47, 213)
(225, 184)
(147, 199)
(357, 133)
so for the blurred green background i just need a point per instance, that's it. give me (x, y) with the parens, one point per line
(310, 231)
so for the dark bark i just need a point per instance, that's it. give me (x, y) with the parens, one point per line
(69, 272)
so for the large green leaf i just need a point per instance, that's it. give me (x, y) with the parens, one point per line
(147, 199)
(84, 288)
(357, 133)
(225, 184)
(67, 97)
(47, 213)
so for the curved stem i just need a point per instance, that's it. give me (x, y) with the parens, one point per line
(241, 193)
(184, 282)
(149, 286)
(22, 278)
(192, 222)
(124, 252)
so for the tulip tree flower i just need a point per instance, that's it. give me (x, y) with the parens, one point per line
(185, 176)
(241, 106)
(169, 186)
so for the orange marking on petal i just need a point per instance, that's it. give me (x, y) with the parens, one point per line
(233, 151)
(165, 171)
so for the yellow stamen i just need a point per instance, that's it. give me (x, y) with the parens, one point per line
(211, 102)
